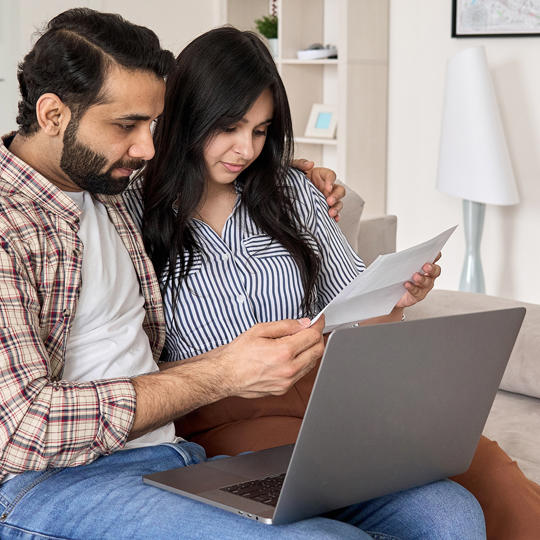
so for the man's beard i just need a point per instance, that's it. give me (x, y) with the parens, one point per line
(83, 165)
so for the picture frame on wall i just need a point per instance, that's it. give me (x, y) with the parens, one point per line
(494, 18)
(322, 121)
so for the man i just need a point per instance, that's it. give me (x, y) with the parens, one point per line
(83, 327)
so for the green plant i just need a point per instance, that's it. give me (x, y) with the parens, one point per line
(267, 26)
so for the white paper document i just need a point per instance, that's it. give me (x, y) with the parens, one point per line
(377, 290)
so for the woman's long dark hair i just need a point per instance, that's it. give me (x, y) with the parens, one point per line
(217, 78)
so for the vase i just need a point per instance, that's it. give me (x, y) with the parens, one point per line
(273, 46)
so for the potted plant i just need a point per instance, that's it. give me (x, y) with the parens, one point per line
(267, 26)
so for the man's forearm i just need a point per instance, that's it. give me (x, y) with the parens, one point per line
(176, 390)
(265, 360)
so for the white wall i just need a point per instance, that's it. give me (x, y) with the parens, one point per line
(176, 22)
(9, 17)
(420, 45)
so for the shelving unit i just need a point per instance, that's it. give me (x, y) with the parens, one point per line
(329, 62)
(356, 82)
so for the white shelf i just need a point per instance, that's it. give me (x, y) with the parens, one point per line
(313, 140)
(356, 82)
(322, 62)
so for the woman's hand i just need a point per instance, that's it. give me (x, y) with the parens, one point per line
(420, 284)
(324, 180)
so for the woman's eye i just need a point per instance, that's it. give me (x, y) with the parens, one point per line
(260, 132)
(229, 129)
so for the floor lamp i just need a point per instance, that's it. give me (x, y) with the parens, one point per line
(474, 163)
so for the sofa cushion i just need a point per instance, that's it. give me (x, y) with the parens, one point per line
(349, 220)
(522, 374)
(249, 435)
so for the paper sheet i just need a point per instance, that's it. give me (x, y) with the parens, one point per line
(377, 290)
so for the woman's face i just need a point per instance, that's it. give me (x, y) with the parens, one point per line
(233, 150)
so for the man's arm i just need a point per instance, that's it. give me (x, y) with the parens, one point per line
(61, 423)
(266, 360)
(47, 422)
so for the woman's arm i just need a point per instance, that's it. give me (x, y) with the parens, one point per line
(417, 289)
(340, 264)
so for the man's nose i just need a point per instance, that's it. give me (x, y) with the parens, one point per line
(143, 146)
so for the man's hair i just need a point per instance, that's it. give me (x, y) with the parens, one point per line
(73, 55)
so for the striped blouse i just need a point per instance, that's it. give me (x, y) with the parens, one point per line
(244, 277)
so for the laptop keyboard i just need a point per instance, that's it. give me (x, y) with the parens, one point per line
(265, 490)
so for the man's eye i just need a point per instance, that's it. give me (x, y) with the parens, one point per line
(126, 127)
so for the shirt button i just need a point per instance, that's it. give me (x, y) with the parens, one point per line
(225, 257)
(66, 313)
(241, 299)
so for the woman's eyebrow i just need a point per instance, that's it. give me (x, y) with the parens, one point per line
(269, 121)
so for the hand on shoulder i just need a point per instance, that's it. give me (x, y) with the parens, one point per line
(325, 181)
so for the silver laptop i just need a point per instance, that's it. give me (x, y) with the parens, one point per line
(393, 406)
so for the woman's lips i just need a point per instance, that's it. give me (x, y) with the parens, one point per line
(232, 167)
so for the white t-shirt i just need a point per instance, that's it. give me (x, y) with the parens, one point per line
(107, 339)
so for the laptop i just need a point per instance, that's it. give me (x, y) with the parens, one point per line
(393, 406)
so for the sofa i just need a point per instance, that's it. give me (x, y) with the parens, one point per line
(514, 420)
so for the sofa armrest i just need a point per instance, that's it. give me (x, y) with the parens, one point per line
(522, 374)
(376, 236)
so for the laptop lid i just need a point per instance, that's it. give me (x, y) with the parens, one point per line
(396, 406)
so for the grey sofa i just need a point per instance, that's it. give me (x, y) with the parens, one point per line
(514, 420)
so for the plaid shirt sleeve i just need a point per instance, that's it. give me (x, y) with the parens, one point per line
(45, 422)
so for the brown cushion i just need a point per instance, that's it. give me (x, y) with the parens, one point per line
(249, 435)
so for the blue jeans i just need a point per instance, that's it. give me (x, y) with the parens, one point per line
(108, 500)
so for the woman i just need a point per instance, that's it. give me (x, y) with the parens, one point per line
(229, 216)
(238, 238)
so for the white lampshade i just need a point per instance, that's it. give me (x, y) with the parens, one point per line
(474, 163)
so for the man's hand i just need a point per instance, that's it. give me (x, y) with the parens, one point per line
(270, 357)
(266, 360)
(324, 180)
(420, 284)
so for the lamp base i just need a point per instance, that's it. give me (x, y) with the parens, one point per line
(472, 275)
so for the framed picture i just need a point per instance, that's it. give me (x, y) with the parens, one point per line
(495, 18)
(322, 121)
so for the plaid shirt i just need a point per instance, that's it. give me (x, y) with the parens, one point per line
(45, 421)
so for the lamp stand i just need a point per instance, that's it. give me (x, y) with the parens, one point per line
(472, 275)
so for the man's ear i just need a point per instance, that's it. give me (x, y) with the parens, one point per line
(52, 114)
